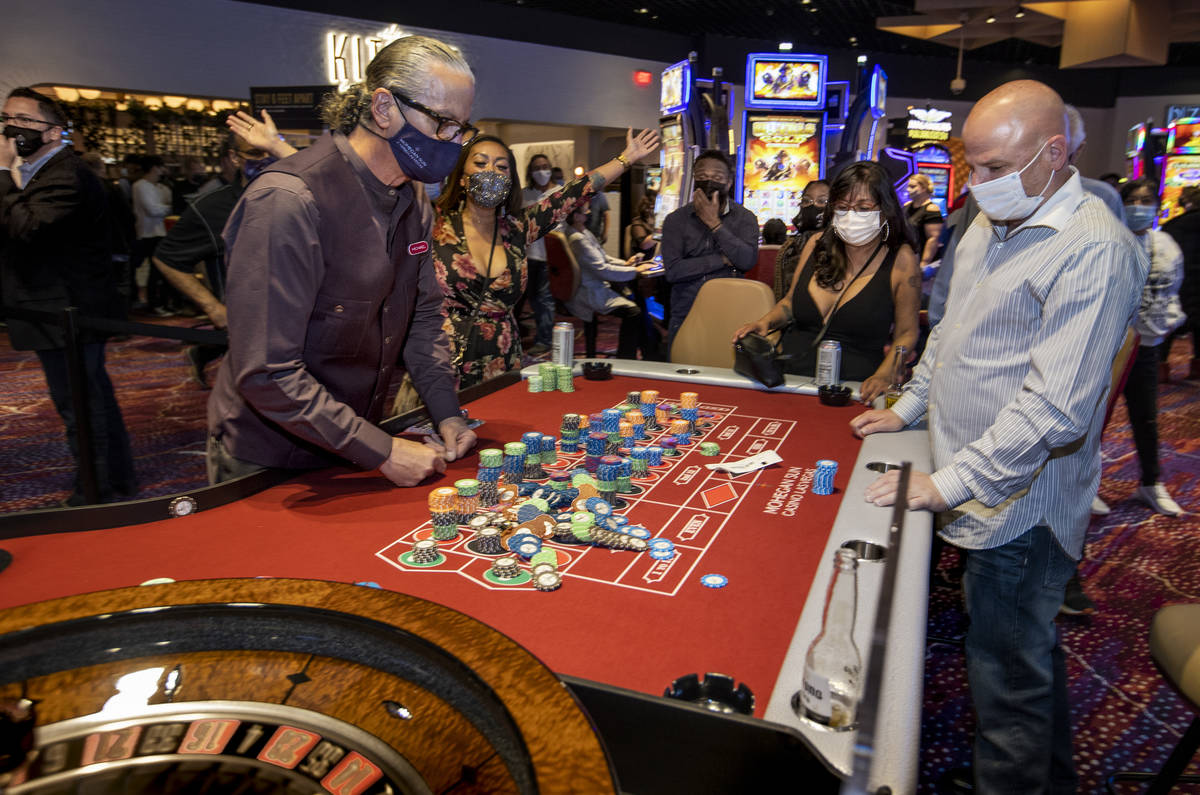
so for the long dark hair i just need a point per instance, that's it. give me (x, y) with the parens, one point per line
(455, 193)
(1134, 184)
(830, 263)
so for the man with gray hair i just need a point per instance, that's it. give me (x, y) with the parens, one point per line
(330, 282)
(1076, 139)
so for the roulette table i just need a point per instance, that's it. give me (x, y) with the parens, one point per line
(622, 628)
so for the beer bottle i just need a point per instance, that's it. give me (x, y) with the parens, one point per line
(829, 695)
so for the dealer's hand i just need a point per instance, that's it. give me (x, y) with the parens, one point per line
(876, 421)
(921, 491)
(457, 438)
(872, 388)
(707, 210)
(411, 462)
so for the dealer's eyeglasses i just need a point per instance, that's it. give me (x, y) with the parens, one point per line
(448, 129)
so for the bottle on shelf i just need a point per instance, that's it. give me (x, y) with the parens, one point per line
(830, 691)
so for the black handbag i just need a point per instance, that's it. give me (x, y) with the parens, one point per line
(757, 358)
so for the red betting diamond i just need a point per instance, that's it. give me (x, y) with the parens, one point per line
(718, 495)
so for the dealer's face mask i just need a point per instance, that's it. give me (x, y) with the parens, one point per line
(855, 227)
(488, 188)
(1004, 198)
(1140, 216)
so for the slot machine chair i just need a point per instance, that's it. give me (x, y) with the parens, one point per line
(721, 307)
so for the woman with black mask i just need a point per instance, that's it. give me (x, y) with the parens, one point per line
(809, 221)
(480, 233)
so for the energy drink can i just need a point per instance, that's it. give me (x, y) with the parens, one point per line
(563, 344)
(829, 363)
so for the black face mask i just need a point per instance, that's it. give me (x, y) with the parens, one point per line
(28, 140)
(709, 186)
(810, 218)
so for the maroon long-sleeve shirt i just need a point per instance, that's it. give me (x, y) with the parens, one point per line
(330, 282)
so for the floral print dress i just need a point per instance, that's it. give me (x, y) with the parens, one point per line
(485, 340)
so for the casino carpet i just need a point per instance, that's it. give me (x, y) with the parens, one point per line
(1125, 715)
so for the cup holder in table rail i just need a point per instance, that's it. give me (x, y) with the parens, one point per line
(866, 551)
(882, 466)
(687, 371)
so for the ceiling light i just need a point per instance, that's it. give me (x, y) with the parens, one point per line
(805, 2)
(641, 11)
(861, 60)
(813, 10)
(785, 46)
(853, 40)
(990, 20)
(1019, 15)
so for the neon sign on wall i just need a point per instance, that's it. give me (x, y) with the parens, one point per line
(347, 54)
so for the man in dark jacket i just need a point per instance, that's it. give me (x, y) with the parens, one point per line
(55, 253)
(1185, 229)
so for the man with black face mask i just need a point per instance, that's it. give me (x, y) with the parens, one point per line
(330, 282)
(54, 234)
(710, 237)
(195, 239)
(809, 221)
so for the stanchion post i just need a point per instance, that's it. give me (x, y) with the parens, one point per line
(77, 382)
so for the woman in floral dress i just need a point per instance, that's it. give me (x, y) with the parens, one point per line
(480, 233)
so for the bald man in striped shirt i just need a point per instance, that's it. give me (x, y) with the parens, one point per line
(1013, 383)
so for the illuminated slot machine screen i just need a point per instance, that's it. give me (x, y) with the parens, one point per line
(1135, 142)
(673, 159)
(1179, 171)
(653, 181)
(791, 82)
(939, 174)
(781, 153)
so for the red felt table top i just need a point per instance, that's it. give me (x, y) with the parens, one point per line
(619, 617)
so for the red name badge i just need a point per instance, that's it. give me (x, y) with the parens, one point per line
(418, 248)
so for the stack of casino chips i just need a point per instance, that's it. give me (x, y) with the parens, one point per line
(491, 462)
(670, 447)
(581, 525)
(565, 380)
(505, 568)
(549, 373)
(595, 422)
(654, 455)
(570, 433)
(606, 478)
(625, 429)
(649, 403)
(823, 479)
(468, 498)
(533, 456)
(681, 430)
(633, 397)
(625, 477)
(662, 413)
(425, 551)
(710, 448)
(638, 457)
(638, 421)
(534, 382)
(514, 462)
(443, 513)
(549, 449)
(611, 425)
(688, 409)
(597, 442)
(490, 540)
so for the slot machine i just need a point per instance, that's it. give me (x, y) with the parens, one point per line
(1180, 165)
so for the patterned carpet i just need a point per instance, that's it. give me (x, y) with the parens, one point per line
(1125, 715)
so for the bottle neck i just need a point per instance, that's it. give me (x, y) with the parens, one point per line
(842, 601)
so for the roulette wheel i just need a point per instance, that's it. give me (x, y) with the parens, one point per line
(280, 686)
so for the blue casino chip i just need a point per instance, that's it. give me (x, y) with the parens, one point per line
(661, 543)
(662, 554)
(714, 580)
(369, 584)
(563, 517)
(522, 538)
(526, 488)
(637, 531)
(527, 549)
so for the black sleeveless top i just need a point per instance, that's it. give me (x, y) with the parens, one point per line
(862, 324)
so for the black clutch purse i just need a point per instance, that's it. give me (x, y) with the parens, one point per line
(755, 357)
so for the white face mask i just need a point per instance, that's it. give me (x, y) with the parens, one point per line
(541, 177)
(854, 227)
(1004, 198)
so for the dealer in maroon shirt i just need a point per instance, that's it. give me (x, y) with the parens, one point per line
(330, 282)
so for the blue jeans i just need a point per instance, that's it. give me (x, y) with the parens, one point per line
(542, 301)
(1015, 666)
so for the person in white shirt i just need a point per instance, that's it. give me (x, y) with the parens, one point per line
(594, 296)
(1013, 382)
(151, 204)
(538, 184)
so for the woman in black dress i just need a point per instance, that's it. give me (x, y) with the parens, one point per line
(924, 216)
(858, 284)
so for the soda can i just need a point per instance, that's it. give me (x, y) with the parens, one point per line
(563, 345)
(829, 363)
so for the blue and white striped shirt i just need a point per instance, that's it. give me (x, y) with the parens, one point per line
(1015, 376)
